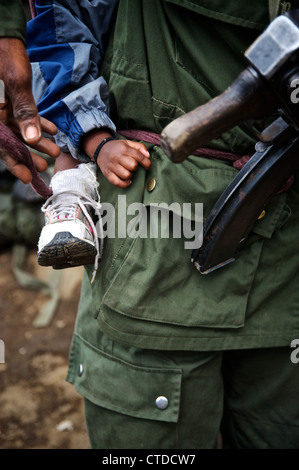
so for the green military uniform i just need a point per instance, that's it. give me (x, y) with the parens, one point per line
(151, 325)
(12, 20)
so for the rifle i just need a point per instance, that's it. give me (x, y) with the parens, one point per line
(265, 86)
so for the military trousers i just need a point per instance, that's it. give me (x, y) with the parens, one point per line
(145, 399)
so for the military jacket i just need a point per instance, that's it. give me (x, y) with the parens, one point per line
(165, 58)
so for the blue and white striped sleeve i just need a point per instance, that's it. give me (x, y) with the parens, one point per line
(66, 47)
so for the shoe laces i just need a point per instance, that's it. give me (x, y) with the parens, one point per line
(69, 210)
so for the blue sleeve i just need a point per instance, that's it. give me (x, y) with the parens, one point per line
(66, 45)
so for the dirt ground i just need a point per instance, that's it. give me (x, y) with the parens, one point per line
(38, 408)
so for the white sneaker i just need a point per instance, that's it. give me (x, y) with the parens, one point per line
(70, 237)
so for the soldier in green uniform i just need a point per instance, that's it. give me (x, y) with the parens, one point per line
(166, 357)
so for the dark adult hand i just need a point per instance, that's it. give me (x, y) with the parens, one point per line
(18, 110)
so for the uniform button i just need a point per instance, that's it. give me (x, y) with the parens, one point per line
(80, 370)
(262, 214)
(161, 403)
(151, 184)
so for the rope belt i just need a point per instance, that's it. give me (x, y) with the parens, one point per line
(152, 138)
(237, 160)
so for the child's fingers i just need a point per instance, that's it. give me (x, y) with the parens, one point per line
(116, 181)
(129, 163)
(122, 172)
(118, 160)
(139, 153)
(139, 146)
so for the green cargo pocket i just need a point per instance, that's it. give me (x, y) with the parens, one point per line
(146, 392)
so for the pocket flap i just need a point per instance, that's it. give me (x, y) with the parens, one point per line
(96, 376)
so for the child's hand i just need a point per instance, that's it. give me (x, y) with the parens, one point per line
(118, 159)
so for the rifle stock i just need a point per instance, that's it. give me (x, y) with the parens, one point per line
(247, 98)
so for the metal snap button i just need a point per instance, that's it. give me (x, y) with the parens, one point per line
(161, 402)
(151, 184)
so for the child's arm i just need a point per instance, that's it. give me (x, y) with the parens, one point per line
(118, 159)
(66, 44)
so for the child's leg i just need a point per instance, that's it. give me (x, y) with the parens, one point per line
(65, 161)
(69, 237)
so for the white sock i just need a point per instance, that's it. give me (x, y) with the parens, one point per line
(80, 180)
